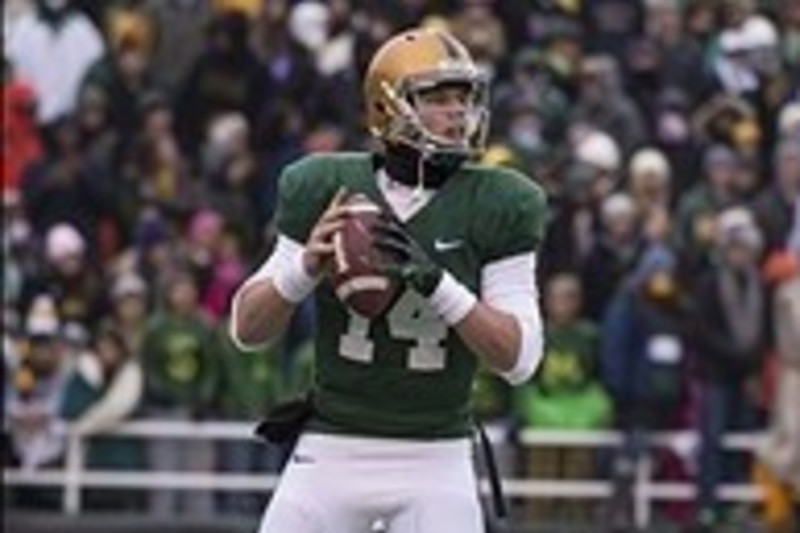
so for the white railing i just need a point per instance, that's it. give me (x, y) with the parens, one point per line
(74, 476)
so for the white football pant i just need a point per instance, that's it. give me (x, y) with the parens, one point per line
(341, 484)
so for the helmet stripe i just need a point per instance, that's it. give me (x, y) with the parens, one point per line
(451, 46)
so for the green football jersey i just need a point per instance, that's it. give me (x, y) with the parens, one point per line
(407, 374)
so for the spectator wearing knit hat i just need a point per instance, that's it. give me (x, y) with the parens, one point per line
(233, 171)
(599, 150)
(599, 154)
(35, 371)
(70, 278)
(591, 175)
(650, 185)
(750, 64)
(650, 181)
(698, 208)
(747, 47)
(614, 253)
(789, 121)
(213, 253)
(130, 306)
(730, 335)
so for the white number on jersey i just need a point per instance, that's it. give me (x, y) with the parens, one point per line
(411, 319)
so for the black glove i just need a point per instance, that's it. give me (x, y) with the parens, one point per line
(405, 260)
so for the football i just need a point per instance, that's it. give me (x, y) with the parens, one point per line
(356, 279)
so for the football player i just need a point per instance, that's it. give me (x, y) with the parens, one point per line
(388, 440)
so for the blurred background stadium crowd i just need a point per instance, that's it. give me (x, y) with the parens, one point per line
(143, 141)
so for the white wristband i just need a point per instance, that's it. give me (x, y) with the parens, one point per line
(452, 300)
(292, 281)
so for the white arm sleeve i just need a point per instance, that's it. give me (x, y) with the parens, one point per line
(118, 403)
(509, 285)
(284, 258)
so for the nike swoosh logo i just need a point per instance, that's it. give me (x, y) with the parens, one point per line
(445, 246)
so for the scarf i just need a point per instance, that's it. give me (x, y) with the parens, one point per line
(743, 305)
(406, 165)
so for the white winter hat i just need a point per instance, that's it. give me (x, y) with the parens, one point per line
(789, 118)
(225, 128)
(599, 149)
(649, 161)
(128, 284)
(756, 33)
(759, 32)
(736, 225)
(42, 319)
(308, 23)
(618, 204)
(63, 240)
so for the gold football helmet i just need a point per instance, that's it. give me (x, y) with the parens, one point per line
(415, 61)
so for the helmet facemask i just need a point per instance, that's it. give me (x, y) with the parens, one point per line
(407, 126)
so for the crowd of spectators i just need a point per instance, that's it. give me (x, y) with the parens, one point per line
(142, 144)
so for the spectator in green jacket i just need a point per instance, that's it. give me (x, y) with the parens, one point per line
(180, 372)
(565, 394)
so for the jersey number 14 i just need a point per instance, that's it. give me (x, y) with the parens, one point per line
(411, 319)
